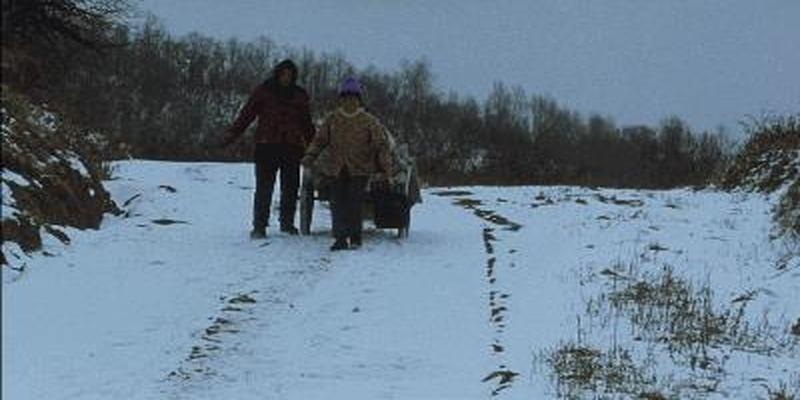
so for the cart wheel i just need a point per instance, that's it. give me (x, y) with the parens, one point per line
(306, 209)
(403, 231)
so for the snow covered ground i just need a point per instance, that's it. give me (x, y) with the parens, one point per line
(497, 293)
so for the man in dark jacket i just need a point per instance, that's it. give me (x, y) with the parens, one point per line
(284, 130)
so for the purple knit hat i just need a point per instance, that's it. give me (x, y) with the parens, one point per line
(350, 86)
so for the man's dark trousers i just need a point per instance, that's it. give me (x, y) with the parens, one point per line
(269, 159)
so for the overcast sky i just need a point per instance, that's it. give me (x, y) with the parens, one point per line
(710, 62)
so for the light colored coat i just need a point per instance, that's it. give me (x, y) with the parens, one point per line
(357, 141)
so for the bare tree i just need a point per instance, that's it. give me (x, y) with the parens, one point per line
(84, 22)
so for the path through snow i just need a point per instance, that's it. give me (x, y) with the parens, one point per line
(173, 301)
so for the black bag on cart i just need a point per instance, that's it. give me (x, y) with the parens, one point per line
(390, 208)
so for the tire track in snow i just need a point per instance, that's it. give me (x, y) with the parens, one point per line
(237, 310)
(230, 329)
(503, 377)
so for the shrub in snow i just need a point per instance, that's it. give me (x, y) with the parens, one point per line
(788, 210)
(770, 162)
(52, 174)
(769, 159)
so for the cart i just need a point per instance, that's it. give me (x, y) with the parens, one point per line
(389, 206)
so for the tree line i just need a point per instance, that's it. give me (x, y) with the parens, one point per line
(170, 98)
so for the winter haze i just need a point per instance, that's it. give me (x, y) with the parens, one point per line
(709, 62)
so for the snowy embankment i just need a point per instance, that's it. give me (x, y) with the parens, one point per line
(52, 174)
(504, 292)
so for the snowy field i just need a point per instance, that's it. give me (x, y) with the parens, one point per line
(498, 292)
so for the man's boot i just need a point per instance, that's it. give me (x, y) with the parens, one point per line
(339, 244)
(290, 229)
(355, 241)
(258, 233)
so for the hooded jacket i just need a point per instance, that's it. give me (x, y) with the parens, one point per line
(283, 113)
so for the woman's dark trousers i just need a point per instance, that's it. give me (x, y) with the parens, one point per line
(347, 200)
(269, 159)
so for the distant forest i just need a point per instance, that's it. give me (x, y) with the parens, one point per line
(164, 97)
